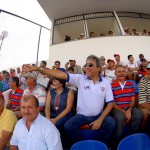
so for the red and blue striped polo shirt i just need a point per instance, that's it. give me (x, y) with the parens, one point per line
(122, 96)
(15, 98)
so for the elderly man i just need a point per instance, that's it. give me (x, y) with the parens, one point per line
(35, 90)
(124, 102)
(7, 123)
(33, 131)
(93, 92)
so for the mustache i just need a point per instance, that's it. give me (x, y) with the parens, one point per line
(26, 114)
(122, 75)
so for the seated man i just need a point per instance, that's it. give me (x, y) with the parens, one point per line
(33, 131)
(15, 94)
(7, 123)
(35, 89)
(132, 69)
(124, 102)
(5, 81)
(93, 92)
(109, 73)
(144, 96)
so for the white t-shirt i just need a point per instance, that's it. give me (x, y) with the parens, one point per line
(91, 97)
(109, 75)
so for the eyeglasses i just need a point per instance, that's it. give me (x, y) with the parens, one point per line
(102, 59)
(88, 65)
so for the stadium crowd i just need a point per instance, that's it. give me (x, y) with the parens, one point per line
(50, 108)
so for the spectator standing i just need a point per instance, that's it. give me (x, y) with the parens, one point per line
(77, 68)
(18, 74)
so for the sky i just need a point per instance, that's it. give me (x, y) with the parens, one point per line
(21, 44)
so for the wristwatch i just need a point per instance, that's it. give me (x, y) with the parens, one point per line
(41, 69)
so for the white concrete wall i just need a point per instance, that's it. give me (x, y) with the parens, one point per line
(107, 46)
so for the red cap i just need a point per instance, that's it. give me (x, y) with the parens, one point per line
(110, 60)
(1, 94)
(116, 55)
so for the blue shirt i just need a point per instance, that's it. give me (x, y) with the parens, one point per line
(42, 135)
(5, 85)
(62, 102)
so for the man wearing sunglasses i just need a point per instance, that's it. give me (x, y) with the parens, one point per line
(144, 97)
(94, 92)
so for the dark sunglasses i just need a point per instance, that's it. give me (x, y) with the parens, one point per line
(102, 59)
(88, 65)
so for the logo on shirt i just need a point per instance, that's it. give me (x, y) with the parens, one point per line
(87, 87)
(102, 88)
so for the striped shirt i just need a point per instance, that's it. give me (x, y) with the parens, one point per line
(15, 98)
(123, 94)
(39, 93)
(144, 90)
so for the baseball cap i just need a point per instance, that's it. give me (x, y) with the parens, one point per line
(31, 75)
(148, 66)
(110, 60)
(116, 55)
(1, 94)
(102, 57)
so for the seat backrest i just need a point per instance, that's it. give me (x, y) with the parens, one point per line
(89, 145)
(139, 141)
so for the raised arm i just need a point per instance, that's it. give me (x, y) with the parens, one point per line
(46, 71)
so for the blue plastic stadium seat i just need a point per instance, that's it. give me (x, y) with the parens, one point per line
(139, 141)
(89, 145)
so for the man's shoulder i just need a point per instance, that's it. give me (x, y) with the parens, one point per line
(143, 80)
(9, 114)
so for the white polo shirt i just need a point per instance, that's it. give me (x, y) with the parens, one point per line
(91, 97)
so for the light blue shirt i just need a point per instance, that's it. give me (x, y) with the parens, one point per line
(42, 135)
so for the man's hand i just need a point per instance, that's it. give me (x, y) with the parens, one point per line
(128, 115)
(54, 121)
(32, 68)
(95, 125)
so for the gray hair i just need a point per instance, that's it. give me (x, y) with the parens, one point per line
(119, 66)
(93, 57)
(97, 59)
(27, 97)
